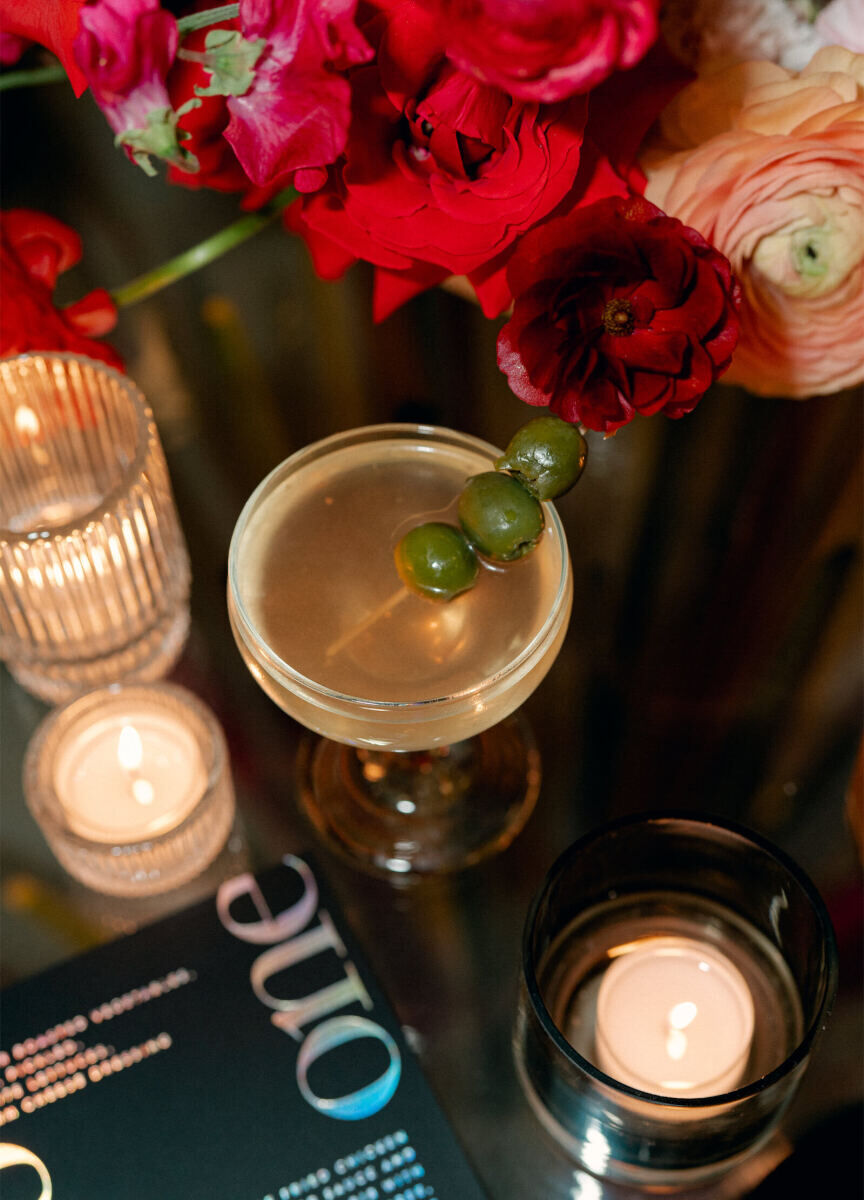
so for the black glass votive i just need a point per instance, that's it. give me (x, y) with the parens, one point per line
(676, 973)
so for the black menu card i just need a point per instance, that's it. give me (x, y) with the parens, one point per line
(240, 1050)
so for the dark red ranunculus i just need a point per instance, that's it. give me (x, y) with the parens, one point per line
(441, 173)
(619, 310)
(545, 49)
(34, 250)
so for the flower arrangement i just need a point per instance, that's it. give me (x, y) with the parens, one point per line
(646, 221)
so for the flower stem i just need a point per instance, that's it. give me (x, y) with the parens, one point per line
(199, 256)
(208, 16)
(32, 77)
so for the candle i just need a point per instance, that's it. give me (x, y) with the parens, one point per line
(674, 1017)
(130, 775)
(94, 574)
(131, 786)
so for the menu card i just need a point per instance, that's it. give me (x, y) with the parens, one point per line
(240, 1050)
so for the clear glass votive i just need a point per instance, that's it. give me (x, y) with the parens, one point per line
(131, 787)
(94, 573)
(676, 973)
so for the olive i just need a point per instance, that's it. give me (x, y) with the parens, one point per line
(500, 516)
(435, 560)
(547, 455)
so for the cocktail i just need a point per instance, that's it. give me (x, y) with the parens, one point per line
(420, 765)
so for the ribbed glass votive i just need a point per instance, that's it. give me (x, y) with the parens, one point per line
(131, 786)
(94, 574)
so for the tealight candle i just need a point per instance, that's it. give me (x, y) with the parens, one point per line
(674, 1017)
(130, 775)
(691, 961)
(131, 787)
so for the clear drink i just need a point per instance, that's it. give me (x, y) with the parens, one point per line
(327, 628)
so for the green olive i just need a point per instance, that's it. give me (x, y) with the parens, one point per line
(435, 560)
(500, 517)
(547, 455)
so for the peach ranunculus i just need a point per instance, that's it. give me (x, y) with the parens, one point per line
(768, 165)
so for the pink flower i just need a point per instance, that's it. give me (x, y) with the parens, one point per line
(11, 47)
(769, 167)
(125, 49)
(841, 23)
(545, 49)
(294, 116)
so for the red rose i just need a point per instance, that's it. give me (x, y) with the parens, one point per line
(546, 49)
(618, 309)
(441, 173)
(34, 250)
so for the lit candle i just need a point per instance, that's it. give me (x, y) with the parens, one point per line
(674, 1017)
(94, 574)
(131, 787)
(130, 775)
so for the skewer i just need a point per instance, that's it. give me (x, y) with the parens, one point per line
(377, 613)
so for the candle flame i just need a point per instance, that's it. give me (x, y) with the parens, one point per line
(679, 1017)
(26, 421)
(129, 748)
(682, 1015)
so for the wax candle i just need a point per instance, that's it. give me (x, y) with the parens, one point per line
(130, 775)
(131, 787)
(674, 1017)
(94, 574)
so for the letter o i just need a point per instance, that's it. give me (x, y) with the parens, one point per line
(13, 1156)
(367, 1100)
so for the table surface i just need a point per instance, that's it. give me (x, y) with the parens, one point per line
(447, 950)
(713, 661)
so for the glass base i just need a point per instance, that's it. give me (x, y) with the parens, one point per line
(422, 812)
(145, 660)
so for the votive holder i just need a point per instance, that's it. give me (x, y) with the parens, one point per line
(131, 787)
(675, 975)
(94, 572)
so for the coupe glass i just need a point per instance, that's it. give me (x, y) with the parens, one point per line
(420, 764)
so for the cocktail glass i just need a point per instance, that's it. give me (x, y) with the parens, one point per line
(422, 763)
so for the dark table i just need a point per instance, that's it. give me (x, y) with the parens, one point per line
(713, 661)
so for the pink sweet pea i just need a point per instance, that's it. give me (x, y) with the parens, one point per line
(294, 116)
(11, 47)
(125, 49)
(50, 23)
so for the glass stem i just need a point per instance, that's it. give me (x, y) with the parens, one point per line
(200, 255)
